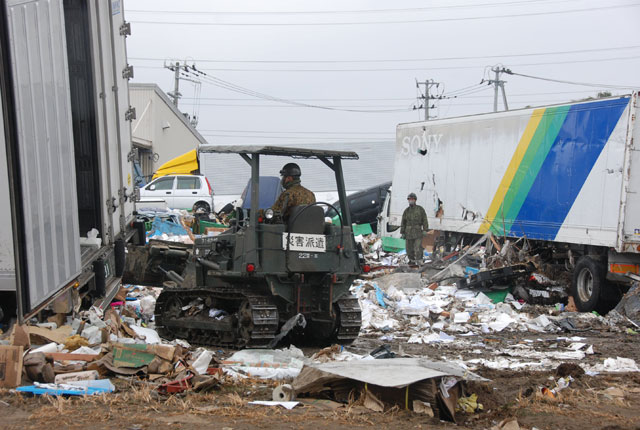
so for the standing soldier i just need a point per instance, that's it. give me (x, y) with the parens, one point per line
(414, 227)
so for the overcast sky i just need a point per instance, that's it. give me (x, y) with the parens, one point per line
(283, 49)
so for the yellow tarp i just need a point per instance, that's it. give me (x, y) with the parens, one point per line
(183, 164)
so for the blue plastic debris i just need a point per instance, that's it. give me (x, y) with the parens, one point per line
(96, 387)
(471, 270)
(160, 227)
(380, 295)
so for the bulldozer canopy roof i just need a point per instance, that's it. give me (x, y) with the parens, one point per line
(284, 151)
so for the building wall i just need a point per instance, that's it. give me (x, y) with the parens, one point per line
(159, 126)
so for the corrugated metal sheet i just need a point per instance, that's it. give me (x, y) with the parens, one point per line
(124, 169)
(7, 262)
(39, 61)
(228, 173)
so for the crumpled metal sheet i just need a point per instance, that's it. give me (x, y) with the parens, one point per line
(391, 372)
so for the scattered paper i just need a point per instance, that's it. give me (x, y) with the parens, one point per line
(286, 405)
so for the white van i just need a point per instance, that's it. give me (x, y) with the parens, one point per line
(190, 192)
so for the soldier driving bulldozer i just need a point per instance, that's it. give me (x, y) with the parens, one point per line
(294, 193)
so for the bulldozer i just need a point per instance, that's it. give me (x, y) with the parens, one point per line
(261, 280)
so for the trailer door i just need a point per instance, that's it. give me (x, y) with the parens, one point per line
(631, 187)
(38, 57)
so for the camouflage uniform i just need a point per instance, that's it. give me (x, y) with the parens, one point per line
(293, 195)
(414, 224)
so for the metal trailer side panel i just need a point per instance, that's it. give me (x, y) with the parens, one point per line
(122, 74)
(531, 172)
(7, 263)
(630, 224)
(114, 133)
(45, 136)
(595, 213)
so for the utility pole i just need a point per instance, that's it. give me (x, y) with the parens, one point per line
(426, 97)
(184, 72)
(497, 83)
(176, 68)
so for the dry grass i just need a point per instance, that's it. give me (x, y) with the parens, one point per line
(570, 402)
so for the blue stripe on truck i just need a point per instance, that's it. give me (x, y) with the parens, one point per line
(582, 137)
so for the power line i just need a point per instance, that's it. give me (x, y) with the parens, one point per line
(307, 24)
(334, 138)
(468, 93)
(236, 88)
(408, 99)
(405, 69)
(475, 57)
(391, 108)
(334, 12)
(399, 107)
(296, 132)
(584, 84)
(464, 89)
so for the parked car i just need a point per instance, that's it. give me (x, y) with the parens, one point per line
(365, 205)
(190, 192)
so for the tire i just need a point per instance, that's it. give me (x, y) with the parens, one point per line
(588, 284)
(202, 205)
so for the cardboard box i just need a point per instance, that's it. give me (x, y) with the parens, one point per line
(139, 355)
(20, 336)
(134, 355)
(10, 366)
(429, 240)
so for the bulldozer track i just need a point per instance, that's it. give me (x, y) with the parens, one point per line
(253, 325)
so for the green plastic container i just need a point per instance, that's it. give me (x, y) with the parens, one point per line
(363, 229)
(393, 244)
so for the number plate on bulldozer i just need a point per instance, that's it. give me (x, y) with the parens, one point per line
(304, 242)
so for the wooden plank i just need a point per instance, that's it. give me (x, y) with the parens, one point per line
(495, 243)
(67, 356)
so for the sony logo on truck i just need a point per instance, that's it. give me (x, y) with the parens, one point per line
(413, 145)
(566, 176)
(67, 137)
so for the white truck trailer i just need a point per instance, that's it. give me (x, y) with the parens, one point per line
(565, 176)
(66, 158)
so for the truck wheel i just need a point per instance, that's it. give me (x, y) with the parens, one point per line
(201, 206)
(588, 283)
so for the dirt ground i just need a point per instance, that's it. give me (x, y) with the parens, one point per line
(604, 401)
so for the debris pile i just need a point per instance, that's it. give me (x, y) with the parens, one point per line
(411, 307)
(430, 333)
(176, 225)
(82, 351)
